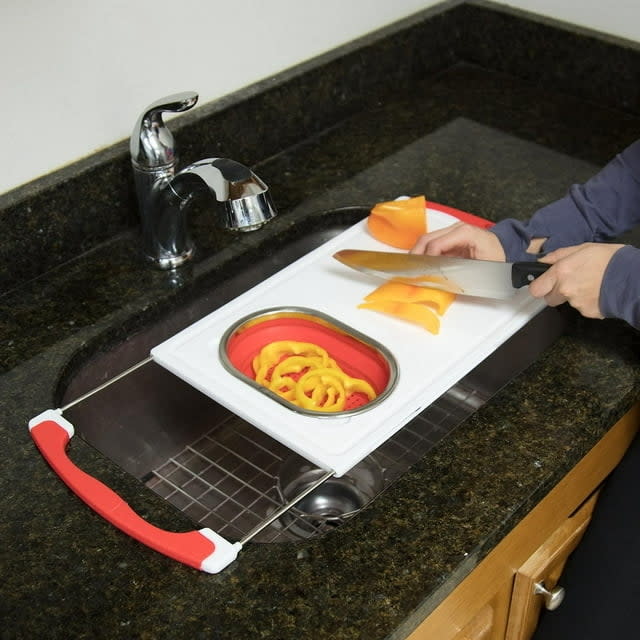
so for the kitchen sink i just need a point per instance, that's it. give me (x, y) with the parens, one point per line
(221, 471)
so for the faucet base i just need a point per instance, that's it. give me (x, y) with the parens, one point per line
(171, 261)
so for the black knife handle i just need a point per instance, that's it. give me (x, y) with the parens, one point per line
(523, 273)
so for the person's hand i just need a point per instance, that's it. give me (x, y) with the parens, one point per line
(462, 241)
(575, 277)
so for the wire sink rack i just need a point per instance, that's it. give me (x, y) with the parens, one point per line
(227, 479)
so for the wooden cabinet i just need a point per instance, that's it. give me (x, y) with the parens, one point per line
(490, 621)
(498, 600)
(536, 581)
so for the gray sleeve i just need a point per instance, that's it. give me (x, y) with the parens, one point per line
(620, 290)
(604, 207)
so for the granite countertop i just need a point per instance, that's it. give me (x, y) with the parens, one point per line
(486, 140)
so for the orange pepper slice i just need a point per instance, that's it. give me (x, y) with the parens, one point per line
(418, 314)
(402, 292)
(399, 223)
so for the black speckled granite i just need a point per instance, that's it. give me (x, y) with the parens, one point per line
(489, 133)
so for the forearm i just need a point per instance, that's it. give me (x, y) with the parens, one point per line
(620, 290)
(604, 207)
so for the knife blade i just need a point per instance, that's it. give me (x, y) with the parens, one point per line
(481, 278)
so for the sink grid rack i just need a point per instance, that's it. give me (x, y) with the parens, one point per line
(227, 479)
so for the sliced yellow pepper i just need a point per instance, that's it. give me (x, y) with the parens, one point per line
(275, 350)
(272, 353)
(358, 385)
(311, 380)
(285, 372)
(321, 390)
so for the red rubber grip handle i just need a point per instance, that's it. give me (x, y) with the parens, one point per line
(194, 548)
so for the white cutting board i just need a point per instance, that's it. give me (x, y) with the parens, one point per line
(428, 365)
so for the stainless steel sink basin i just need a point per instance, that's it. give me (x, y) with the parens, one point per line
(224, 473)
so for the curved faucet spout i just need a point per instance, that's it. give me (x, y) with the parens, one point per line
(245, 199)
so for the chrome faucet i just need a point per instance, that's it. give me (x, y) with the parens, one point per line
(240, 199)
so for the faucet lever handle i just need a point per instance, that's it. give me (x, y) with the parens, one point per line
(151, 145)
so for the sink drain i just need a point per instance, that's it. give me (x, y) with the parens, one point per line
(334, 501)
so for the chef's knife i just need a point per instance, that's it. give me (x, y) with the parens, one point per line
(483, 278)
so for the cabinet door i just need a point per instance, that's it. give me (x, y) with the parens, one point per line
(490, 621)
(536, 582)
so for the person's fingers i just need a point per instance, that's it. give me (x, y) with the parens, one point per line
(548, 286)
(554, 298)
(558, 254)
(456, 242)
(427, 240)
(461, 240)
(544, 284)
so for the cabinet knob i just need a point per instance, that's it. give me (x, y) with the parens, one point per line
(552, 599)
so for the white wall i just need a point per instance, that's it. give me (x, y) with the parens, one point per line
(616, 17)
(76, 73)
